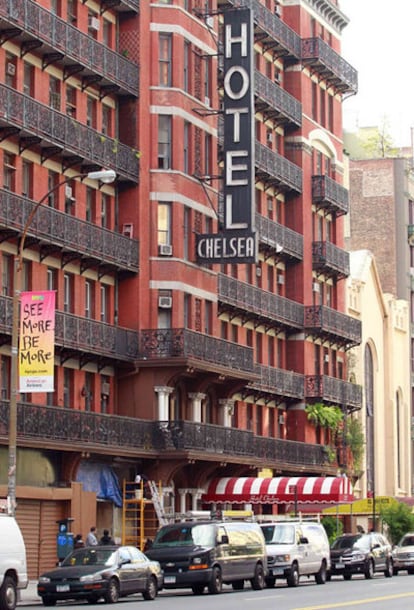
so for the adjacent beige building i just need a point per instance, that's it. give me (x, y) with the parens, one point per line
(381, 364)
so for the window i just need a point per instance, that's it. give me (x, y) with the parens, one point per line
(55, 7)
(94, 24)
(164, 318)
(187, 310)
(164, 142)
(165, 59)
(9, 171)
(164, 223)
(186, 145)
(7, 275)
(105, 391)
(208, 317)
(89, 299)
(54, 93)
(71, 101)
(67, 292)
(107, 33)
(322, 97)
(187, 232)
(52, 182)
(67, 387)
(91, 112)
(71, 8)
(28, 77)
(208, 148)
(314, 101)
(10, 68)
(104, 303)
(27, 178)
(105, 209)
(5, 378)
(69, 197)
(90, 204)
(186, 67)
(106, 128)
(87, 391)
(51, 279)
(207, 90)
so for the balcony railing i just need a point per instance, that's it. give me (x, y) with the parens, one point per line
(328, 194)
(83, 335)
(98, 246)
(271, 29)
(332, 325)
(277, 310)
(329, 259)
(283, 384)
(68, 136)
(281, 105)
(126, 435)
(123, 6)
(336, 391)
(287, 244)
(58, 36)
(274, 169)
(208, 351)
(330, 65)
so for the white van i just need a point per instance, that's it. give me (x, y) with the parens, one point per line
(295, 549)
(13, 569)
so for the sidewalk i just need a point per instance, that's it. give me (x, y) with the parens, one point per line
(29, 596)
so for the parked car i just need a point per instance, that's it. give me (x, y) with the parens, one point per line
(13, 569)
(403, 554)
(200, 554)
(361, 554)
(110, 572)
(295, 549)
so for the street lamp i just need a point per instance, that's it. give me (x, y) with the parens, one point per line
(105, 176)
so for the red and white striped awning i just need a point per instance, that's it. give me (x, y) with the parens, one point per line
(279, 490)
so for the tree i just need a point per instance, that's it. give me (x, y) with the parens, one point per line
(333, 527)
(399, 519)
(379, 143)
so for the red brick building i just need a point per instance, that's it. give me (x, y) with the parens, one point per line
(164, 366)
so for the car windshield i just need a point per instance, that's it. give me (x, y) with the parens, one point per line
(90, 556)
(407, 541)
(182, 534)
(279, 534)
(347, 542)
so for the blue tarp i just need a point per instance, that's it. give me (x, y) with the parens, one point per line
(101, 479)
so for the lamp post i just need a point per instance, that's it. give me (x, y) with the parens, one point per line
(105, 176)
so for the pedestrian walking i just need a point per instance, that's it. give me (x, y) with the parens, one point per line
(91, 539)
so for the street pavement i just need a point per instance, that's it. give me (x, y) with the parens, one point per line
(29, 596)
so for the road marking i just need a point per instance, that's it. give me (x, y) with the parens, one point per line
(357, 602)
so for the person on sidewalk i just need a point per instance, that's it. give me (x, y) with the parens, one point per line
(91, 539)
(106, 538)
(78, 543)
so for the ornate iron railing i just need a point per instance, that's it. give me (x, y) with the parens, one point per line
(53, 227)
(73, 45)
(83, 334)
(277, 169)
(285, 242)
(331, 389)
(334, 68)
(329, 258)
(279, 382)
(326, 193)
(68, 135)
(260, 303)
(325, 320)
(182, 343)
(278, 99)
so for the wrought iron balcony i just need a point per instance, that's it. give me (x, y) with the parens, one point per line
(81, 337)
(331, 325)
(196, 350)
(55, 231)
(279, 240)
(270, 29)
(329, 195)
(62, 43)
(258, 305)
(275, 102)
(329, 259)
(283, 385)
(273, 169)
(55, 426)
(338, 73)
(122, 6)
(336, 391)
(55, 133)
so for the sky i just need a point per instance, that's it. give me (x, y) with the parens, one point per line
(377, 42)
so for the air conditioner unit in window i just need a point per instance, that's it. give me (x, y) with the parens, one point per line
(270, 138)
(326, 358)
(278, 78)
(165, 249)
(94, 24)
(68, 192)
(105, 389)
(165, 302)
(316, 287)
(11, 68)
(280, 279)
(281, 418)
(128, 229)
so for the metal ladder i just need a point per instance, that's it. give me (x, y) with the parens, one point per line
(155, 496)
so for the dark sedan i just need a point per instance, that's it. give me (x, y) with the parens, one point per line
(107, 572)
(361, 554)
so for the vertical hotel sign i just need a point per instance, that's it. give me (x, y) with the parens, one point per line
(37, 341)
(237, 242)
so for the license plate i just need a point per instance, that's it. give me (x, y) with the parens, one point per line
(339, 566)
(169, 579)
(62, 588)
(278, 572)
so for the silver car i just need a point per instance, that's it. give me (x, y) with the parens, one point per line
(403, 554)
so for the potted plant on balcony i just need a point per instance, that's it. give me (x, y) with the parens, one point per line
(328, 417)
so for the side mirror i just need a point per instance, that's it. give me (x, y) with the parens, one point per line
(125, 561)
(224, 539)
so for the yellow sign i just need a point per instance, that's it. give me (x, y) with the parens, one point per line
(361, 507)
(265, 473)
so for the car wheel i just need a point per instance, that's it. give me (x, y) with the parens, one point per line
(320, 576)
(48, 601)
(112, 595)
(198, 589)
(369, 570)
(238, 585)
(151, 589)
(388, 572)
(270, 582)
(293, 578)
(258, 580)
(8, 594)
(216, 583)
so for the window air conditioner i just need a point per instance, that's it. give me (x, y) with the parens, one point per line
(165, 249)
(128, 229)
(270, 138)
(11, 68)
(94, 24)
(280, 279)
(277, 10)
(105, 389)
(165, 302)
(278, 78)
(326, 358)
(68, 192)
(281, 419)
(316, 287)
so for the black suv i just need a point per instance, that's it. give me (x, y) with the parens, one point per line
(361, 554)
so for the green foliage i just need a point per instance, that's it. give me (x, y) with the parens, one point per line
(399, 519)
(379, 143)
(333, 527)
(326, 416)
(355, 440)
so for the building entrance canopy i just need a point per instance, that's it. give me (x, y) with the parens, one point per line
(279, 490)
